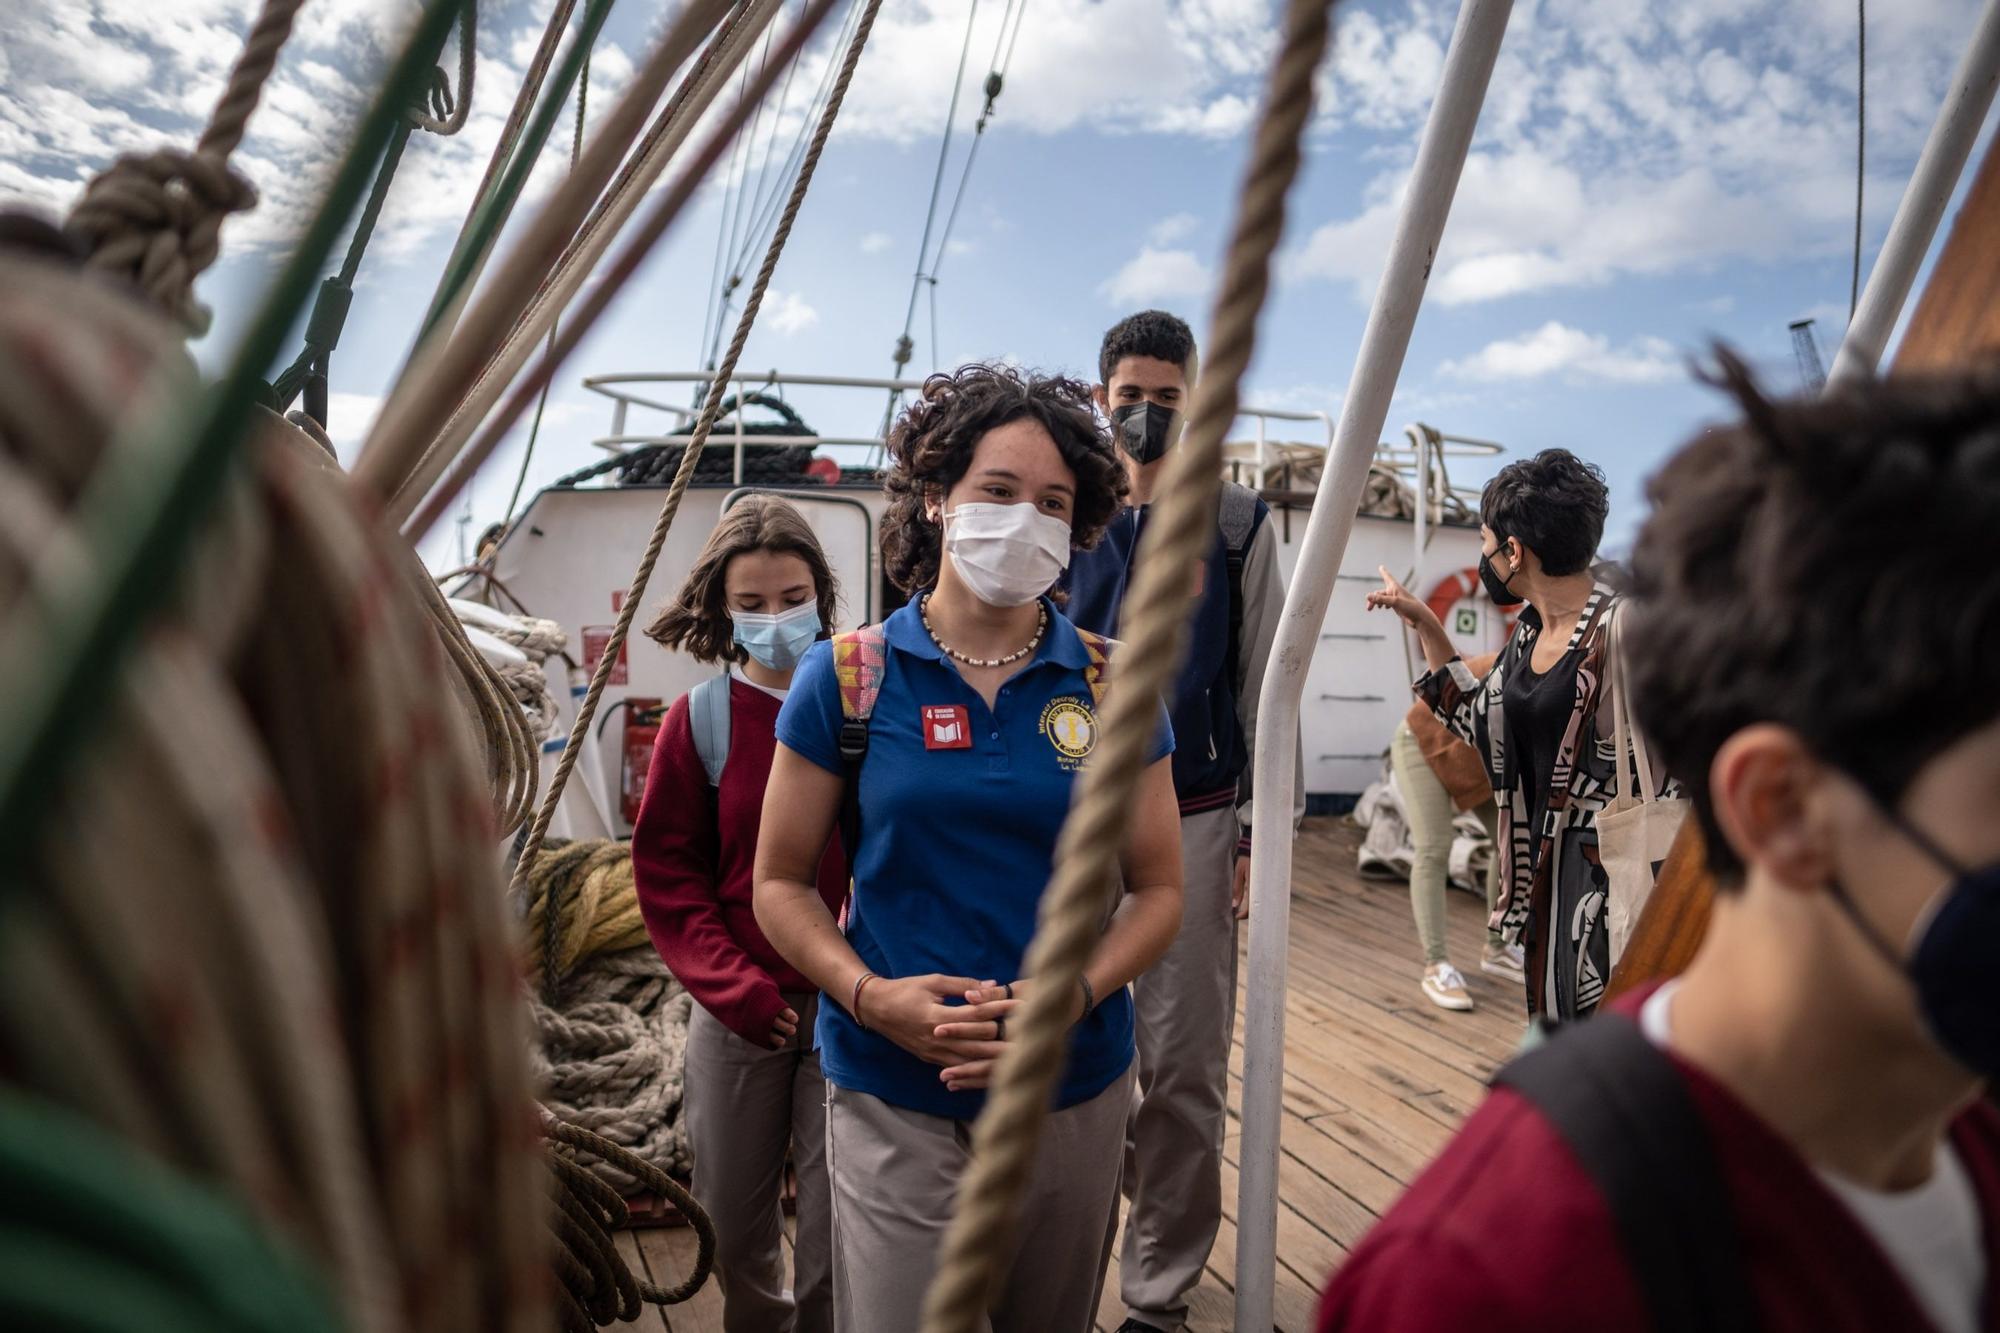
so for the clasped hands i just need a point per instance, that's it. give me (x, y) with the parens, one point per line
(964, 1040)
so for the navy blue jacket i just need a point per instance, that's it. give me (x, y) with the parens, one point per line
(1210, 748)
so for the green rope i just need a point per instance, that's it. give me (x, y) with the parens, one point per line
(66, 647)
(491, 212)
(97, 1236)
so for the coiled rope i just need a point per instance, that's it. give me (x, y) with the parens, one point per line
(156, 218)
(718, 389)
(313, 1003)
(597, 1287)
(1154, 629)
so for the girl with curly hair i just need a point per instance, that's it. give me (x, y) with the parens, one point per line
(987, 708)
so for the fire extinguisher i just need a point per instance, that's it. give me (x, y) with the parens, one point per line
(642, 729)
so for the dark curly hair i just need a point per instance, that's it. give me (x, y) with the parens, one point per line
(931, 448)
(1826, 565)
(1554, 504)
(697, 620)
(1153, 333)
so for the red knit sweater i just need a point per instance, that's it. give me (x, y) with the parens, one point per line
(1505, 1233)
(692, 852)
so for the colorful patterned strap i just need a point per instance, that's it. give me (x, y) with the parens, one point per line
(1098, 674)
(858, 656)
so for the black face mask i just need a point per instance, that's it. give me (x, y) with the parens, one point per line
(1496, 587)
(1144, 430)
(1952, 964)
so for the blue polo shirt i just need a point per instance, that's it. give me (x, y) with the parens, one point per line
(960, 808)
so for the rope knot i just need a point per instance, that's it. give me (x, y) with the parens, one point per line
(155, 218)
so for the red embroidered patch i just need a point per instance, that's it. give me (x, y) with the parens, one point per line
(946, 727)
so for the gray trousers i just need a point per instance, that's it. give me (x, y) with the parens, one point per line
(1173, 1146)
(894, 1176)
(745, 1106)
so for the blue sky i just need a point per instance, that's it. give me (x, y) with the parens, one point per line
(1646, 177)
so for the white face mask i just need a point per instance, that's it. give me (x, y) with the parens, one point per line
(1008, 555)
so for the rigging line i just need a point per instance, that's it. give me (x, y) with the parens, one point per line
(1008, 59)
(542, 403)
(749, 142)
(1860, 148)
(1000, 37)
(902, 353)
(718, 296)
(995, 81)
(764, 212)
(763, 223)
(777, 122)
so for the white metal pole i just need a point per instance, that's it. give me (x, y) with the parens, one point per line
(1415, 433)
(1434, 179)
(1923, 205)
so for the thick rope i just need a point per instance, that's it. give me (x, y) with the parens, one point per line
(1153, 626)
(580, 1142)
(156, 218)
(444, 369)
(580, 259)
(314, 1004)
(718, 388)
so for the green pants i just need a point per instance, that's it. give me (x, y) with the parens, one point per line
(1430, 811)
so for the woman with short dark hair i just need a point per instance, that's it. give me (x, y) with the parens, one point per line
(953, 734)
(1534, 718)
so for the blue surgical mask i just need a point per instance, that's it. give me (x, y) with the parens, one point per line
(778, 640)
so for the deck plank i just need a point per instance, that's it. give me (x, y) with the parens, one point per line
(650, 1319)
(669, 1255)
(1376, 1079)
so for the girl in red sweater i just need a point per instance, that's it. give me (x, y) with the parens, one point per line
(760, 594)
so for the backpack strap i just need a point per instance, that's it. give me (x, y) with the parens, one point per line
(1236, 515)
(859, 656)
(708, 717)
(1097, 674)
(1626, 1112)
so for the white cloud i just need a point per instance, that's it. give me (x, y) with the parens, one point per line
(1621, 138)
(1157, 275)
(1557, 349)
(1168, 230)
(876, 242)
(787, 313)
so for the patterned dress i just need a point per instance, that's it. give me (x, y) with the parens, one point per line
(1552, 884)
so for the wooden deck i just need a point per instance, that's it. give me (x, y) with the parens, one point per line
(1376, 1078)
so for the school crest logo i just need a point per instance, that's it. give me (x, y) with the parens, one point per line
(1071, 728)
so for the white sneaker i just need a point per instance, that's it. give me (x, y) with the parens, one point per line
(1506, 960)
(1446, 987)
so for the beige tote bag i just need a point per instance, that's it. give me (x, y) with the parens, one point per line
(1636, 830)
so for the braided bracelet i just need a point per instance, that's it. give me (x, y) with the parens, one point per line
(854, 1001)
(1089, 996)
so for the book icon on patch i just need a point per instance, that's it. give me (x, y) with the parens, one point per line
(946, 727)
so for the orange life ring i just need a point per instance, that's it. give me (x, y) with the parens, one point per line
(1454, 588)
(1450, 590)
